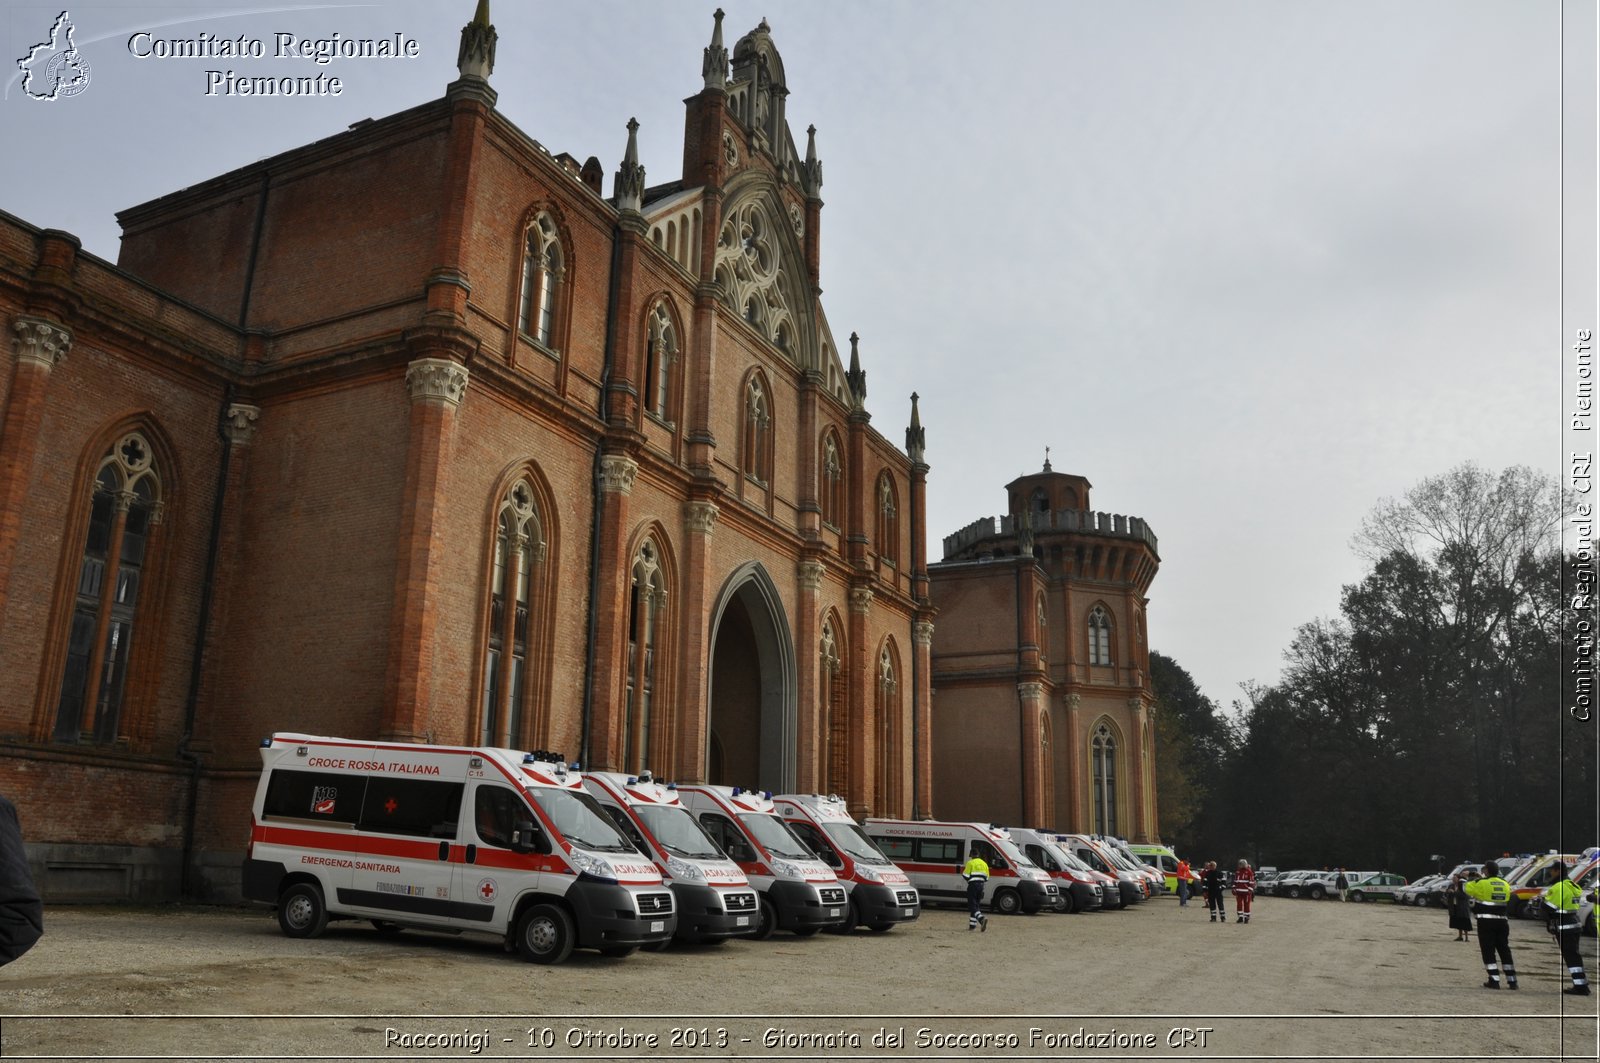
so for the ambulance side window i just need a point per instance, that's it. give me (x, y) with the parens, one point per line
(411, 806)
(318, 795)
(727, 836)
(816, 843)
(989, 854)
(625, 825)
(933, 851)
(896, 849)
(1037, 854)
(495, 814)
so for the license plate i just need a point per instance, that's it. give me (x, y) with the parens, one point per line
(909, 913)
(835, 913)
(657, 926)
(743, 920)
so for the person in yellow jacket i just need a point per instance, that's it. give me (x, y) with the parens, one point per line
(1489, 895)
(976, 872)
(1564, 899)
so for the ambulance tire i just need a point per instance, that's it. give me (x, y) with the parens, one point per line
(545, 934)
(301, 911)
(766, 922)
(1007, 902)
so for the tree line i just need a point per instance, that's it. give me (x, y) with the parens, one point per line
(1427, 719)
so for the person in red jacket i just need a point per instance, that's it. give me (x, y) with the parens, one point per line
(1244, 888)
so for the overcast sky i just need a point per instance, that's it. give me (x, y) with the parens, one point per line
(1247, 266)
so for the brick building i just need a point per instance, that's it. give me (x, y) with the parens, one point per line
(1041, 664)
(414, 434)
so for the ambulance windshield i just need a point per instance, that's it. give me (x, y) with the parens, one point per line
(579, 819)
(775, 837)
(1005, 845)
(849, 837)
(677, 831)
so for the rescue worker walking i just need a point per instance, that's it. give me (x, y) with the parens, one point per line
(1183, 883)
(1490, 895)
(1564, 899)
(976, 872)
(1244, 889)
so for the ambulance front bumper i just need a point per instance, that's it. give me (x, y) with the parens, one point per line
(880, 905)
(1085, 896)
(609, 916)
(800, 906)
(704, 913)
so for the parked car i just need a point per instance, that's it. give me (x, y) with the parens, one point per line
(1416, 893)
(1377, 886)
(1290, 885)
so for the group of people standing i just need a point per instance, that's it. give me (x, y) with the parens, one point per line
(1213, 883)
(1488, 896)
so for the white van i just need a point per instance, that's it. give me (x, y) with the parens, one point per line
(1080, 885)
(933, 854)
(447, 838)
(881, 894)
(1132, 884)
(796, 890)
(714, 899)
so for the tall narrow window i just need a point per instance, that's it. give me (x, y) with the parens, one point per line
(647, 598)
(1103, 774)
(832, 486)
(837, 726)
(888, 734)
(1099, 636)
(518, 547)
(541, 278)
(125, 507)
(661, 351)
(1042, 618)
(888, 530)
(757, 434)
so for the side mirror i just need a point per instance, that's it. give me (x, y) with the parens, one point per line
(527, 837)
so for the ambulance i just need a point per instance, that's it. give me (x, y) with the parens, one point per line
(933, 853)
(1164, 860)
(447, 838)
(880, 894)
(796, 891)
(1080, 884)
(1132, 884)
(714, 899)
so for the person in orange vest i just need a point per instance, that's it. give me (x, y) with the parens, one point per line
(1183, 883)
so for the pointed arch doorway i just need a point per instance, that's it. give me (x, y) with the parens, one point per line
(750, 724)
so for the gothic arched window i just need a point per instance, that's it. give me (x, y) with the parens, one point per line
(1103, 779)
(1099, 636)
(888, 714)
(647, 600)
(541, 279)
(757, 456)
(124, 510)
(519, 550)
(836, 726)
(888, 523)
(831, 473)
(661, 354)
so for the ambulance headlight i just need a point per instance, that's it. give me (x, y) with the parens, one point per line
(786, 869)
(868, 874)
(590, 864)
(684, 870)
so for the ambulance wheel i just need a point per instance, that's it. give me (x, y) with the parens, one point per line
(766, 922)
(301, 913)
(617, 952)
(545, 934)
(386, 928)
(880, 928)
(1007, 902)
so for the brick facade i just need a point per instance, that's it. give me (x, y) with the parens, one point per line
(358, 418)
(1040, 666)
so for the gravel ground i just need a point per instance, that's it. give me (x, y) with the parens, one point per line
(1305, 979)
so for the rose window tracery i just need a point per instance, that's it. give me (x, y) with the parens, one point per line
(751, 274)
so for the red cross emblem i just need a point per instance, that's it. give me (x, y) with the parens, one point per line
(487, 890)
(390, 805)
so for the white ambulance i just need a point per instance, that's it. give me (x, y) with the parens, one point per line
(933, 854)
(797, 891)
(1080, 889)
(714, 899)
(881, 894)
(447, 838)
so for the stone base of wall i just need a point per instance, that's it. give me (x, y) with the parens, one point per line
(120, 874)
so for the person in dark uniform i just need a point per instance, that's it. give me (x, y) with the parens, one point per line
(21, 913)
(1490, 895)
(1460, 905)
(1213, 883)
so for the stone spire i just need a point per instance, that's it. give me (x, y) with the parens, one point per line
(714, 67)
(856, 377)
(476, 57)
(915, 441)
(629, 186)
(1046, 459)
(811, 171)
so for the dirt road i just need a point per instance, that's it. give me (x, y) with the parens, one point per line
(1306, 979)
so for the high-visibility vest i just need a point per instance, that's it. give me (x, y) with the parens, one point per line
(1489, 897)
(976, 870)
(1565, 897)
